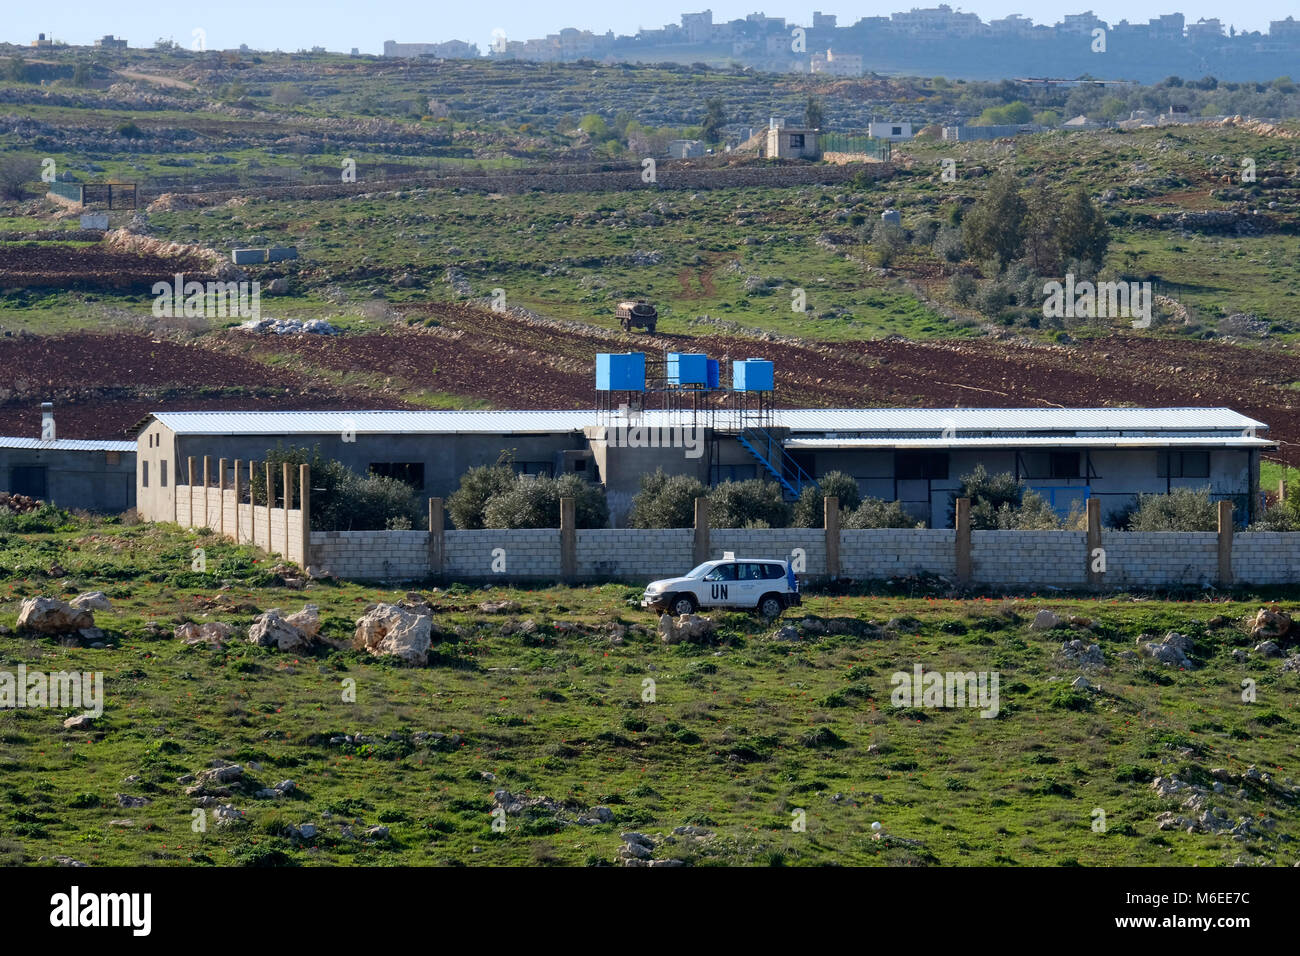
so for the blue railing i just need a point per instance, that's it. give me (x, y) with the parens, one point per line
(771, 454)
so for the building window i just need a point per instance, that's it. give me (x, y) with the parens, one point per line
(162, 473)
(144, 474)
(1050, 464)
(796, 140)
(411, 472)
(896, 131)
(1184, 464)
(27, 480)
(911, 465)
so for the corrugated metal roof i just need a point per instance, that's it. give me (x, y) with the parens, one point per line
(66, 444)
(1013, 419)
(1035, 441)
(799, 420)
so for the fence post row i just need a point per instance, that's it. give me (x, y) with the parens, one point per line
(962, 542)
(437, 536)
(701, 540)
(568, 539)
(831, 522)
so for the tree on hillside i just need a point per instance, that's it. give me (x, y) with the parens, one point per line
(813, 115)
(666, 501)
(715, 118)
(1083, 232)
(15, 173)
(995, 227)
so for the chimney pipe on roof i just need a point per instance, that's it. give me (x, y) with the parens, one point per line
(47, 421)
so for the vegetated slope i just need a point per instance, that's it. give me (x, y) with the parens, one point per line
(546, 701)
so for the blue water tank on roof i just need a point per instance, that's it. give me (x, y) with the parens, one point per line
(620, 372)
(752, 375)
(714, 375)
(688, 368)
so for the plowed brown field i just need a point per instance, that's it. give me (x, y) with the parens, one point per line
(88, 267)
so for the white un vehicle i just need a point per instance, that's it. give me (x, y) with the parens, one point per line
(759, 584)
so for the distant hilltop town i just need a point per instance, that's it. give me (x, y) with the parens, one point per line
(932, 41)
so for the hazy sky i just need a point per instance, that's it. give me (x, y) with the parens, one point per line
(343, 24)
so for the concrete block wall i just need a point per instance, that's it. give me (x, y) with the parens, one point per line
(1265, 557)
(774, 543)
(533, 553)
(886, 553)
(1029, 558)
(1157, 559)
(633, 553)
(376, 555)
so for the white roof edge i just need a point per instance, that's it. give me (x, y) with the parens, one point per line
(66, 444)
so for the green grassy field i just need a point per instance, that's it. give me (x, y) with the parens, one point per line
(741, 734)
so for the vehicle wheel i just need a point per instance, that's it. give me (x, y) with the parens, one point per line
(770, 605)
(680, 604)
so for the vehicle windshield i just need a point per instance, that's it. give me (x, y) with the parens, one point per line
(702, 570)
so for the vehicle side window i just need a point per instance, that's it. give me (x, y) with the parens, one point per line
(773, 571)
(750, 572)
(723, 572)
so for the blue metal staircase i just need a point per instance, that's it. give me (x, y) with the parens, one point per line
(768, 451)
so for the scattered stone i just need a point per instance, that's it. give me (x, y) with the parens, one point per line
(226, 814)
(1269, 624)
(787, 633)
(272, 629)
(132, 803)
(216, 633)
(391, 630)
(1240, 656)
(68, 861)
(1082, 683)
(91, 601)
(121, 823)
(1292, 663)
(1268, 649)
(688, 627)
(80, 722)
(50, 616)
(1045, 620)
(1084, 655)
(377, 833)
(499, 607)
(1172, 650)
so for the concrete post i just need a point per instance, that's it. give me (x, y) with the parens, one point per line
(437, 536)
(234, 489)
(304, 502)
(1094, 576)
(831, 522)
(252, 506)
(568, 540)
(288, 500)
(190, 486)
(270, 505)
(221, 497)
(962, 522)
(1225, 544)
(1281, 490)
(207, 481)
(701, 543)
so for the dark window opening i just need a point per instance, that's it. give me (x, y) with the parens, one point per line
(162, 473)
(27, 480)
(410, 472)
(144, 474)
(911, 465)
(1184, 464)
(796, 140)
(580, 464)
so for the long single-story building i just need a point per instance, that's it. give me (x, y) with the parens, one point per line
(916, 456)
(71, 473)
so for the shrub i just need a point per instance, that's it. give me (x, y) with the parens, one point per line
(1278, 517)
(467, 503)
(15, 173)
(341, 499)
(947, 244)
(809, 511)
(534, 502)
(1001, 503)
(963, 289)
(1183, 509)
(878, 513)
(734, 504)
(45, 519)
(666, 501)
